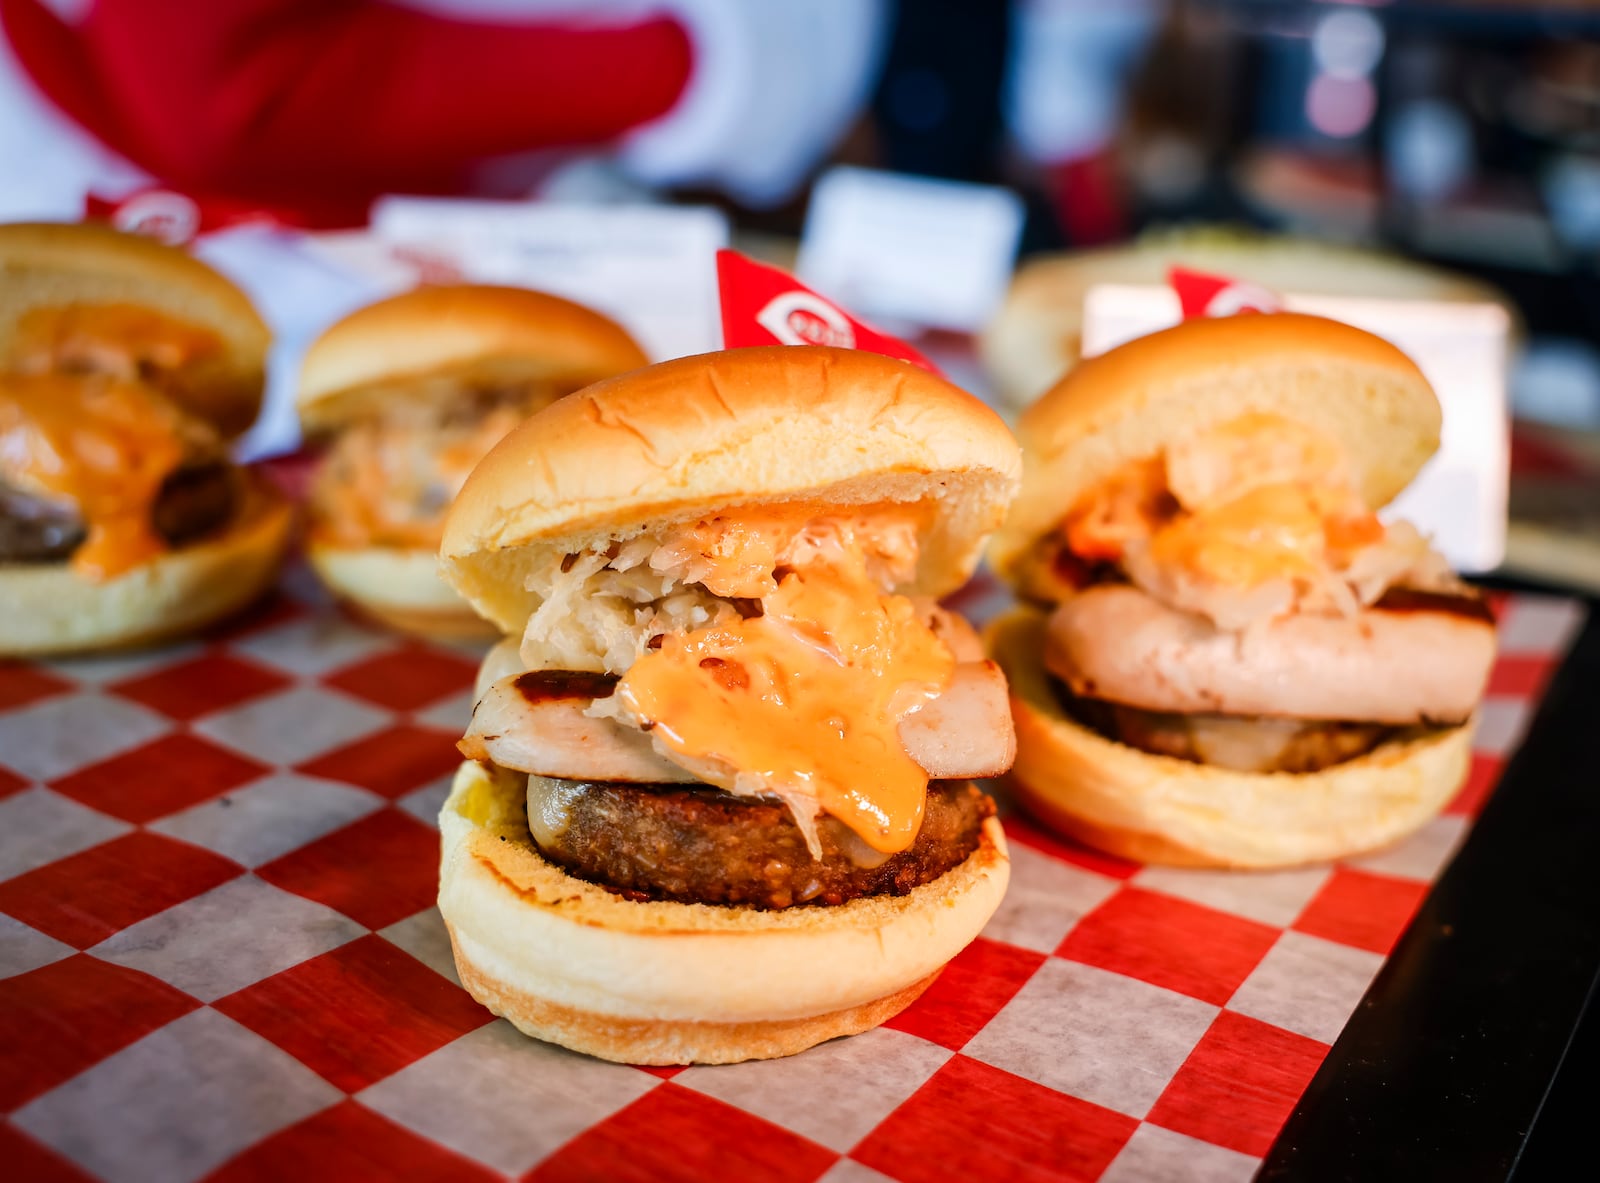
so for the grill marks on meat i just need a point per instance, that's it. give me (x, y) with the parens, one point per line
(195, 500)
(700, 845)
(1465, 604)
(538, 686)
(536, 722)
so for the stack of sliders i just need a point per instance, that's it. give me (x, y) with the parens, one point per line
(126, 366)
(718, 804)
(1225, 658)
(408, 395)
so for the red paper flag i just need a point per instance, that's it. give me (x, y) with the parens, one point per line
(764, 305)
(174, 218)
(1201, 294)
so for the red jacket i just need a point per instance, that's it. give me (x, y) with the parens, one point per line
(317, 106)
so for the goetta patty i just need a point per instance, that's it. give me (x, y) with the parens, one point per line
(701, 845)
(1243, 743)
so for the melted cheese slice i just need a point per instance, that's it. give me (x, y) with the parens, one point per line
(803, 701)
(102, 444)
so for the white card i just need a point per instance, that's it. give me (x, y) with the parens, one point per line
(910, 251)
(1459, 499)
(651, 268)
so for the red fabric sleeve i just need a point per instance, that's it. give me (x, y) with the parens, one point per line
(268, 99)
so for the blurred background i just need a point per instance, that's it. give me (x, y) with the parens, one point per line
(1437, 150)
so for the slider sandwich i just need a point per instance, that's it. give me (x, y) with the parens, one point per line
(718, 804)
(407, 395)
(1037, 334)
(1225, 658)
(126, 367)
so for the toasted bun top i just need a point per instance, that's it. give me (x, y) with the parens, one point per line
(83, 270)
(743, 427)
(1131, 402)
(458, 332)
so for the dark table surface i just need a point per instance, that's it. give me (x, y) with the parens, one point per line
(1476, 1053)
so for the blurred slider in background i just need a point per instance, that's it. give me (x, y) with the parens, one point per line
(126, 369)
(1439, 152)
(408, 394)
(1554, 527)
(1459, 135)
(1066, 308)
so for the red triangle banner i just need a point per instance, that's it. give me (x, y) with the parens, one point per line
(764, 305)
(1202, 294)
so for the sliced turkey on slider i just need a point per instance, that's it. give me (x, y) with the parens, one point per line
(1226, 657)
(731, 701)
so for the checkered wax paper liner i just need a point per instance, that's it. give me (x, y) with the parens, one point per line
(220, 959)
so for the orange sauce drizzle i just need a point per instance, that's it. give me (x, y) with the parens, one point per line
(1255, 499)
(101, 443)
(106, 338)
(1269, 532)
(1129, 506)
(372, 486)
(807, 697)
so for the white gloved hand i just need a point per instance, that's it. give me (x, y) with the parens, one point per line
(1067, 77)
(775, 84)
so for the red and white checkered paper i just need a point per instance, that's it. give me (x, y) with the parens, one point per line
(220, 959)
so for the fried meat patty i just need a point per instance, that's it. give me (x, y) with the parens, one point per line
(703, 846)
(1242, 743)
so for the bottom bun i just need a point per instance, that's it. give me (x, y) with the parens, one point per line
(1157, 809)
(400, 587)
(51, 610)
(667, 983)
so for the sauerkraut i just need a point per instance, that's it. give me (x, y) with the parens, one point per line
(597, 616)
(1252, 520)
(600, 610)
(388, 481)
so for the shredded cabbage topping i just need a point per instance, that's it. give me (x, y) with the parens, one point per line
(600, 610)
(1342, 587)
(389, 480)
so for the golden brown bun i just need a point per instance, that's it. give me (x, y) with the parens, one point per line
(1161, 810)
(59, 265)
(454, 334)
(48, 609)
(665, 983)
(742, 427)
(1131, 402)
(1036, 336)
(399, 587)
